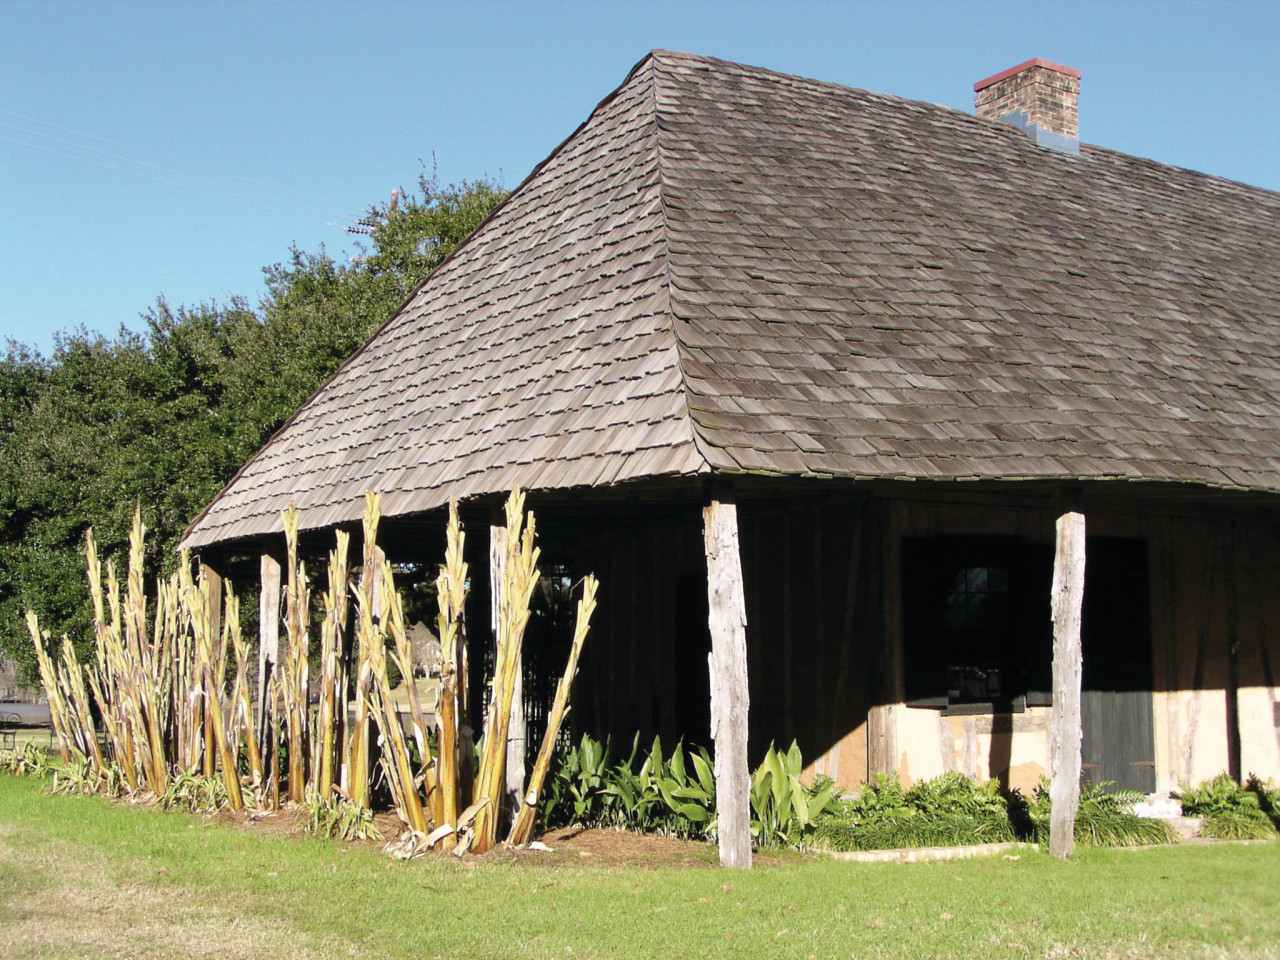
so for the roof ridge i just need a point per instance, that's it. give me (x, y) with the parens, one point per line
(699, 442)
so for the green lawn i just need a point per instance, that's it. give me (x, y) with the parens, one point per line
(174, 885)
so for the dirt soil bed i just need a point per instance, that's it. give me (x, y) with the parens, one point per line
(566, 846)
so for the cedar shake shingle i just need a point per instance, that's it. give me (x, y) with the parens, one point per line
(729, 269)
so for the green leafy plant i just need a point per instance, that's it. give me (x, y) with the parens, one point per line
(338, 817)
(783, 809)
(572, 794)
(1104, 818)
(1230, 811)
(949, 810)
(674, 795)
(79, 776)
(1268, 795)
(194, 793)
(30, 761)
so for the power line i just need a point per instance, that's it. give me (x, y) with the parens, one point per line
(186, 163)
(171, 183)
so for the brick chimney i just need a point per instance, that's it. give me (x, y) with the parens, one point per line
(1037, 97)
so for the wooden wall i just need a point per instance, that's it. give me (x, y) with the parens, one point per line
(1215, 588)
(811, 575)
(824, 634)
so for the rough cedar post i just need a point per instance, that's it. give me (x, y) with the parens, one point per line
(211, 570)
(268, 632)
(377, 605)
(213, 611)
(728, 663)
(1065, 724)
(514, 774)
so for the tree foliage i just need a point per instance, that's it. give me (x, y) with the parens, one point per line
(166, 415)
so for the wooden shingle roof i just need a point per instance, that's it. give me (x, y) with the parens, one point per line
(727, 269)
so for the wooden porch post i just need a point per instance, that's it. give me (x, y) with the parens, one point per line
(729, 694)
(514, 773)
(268, 640)
(213, 611)
(377, 606)
(1065, 723)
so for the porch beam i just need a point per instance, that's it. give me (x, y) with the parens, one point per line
(729, 693)
(1066, 734)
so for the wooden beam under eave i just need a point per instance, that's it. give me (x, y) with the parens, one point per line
(1065, 730)
(730, 698)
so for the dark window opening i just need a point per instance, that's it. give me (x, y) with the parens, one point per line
(978, 637)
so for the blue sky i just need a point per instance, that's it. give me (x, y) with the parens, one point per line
(323, 107)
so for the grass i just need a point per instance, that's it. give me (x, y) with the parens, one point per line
(231, 892)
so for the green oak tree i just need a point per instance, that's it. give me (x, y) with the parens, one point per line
(163, 417)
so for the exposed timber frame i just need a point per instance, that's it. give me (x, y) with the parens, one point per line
(728, 664)
(1066, 731)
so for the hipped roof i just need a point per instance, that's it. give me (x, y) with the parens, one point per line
(726, 269)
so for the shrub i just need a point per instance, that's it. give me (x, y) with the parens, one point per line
(338, 818)
(949, 810)
(194, 793)
(783, 808)
(1104, 818)
(676, 795)
(30, 761)
(1268, 795)
(1230, 811)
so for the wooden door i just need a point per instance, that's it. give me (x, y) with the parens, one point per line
(1116, 702)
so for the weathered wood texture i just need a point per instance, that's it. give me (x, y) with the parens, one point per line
(514, 773)
(1189, 551)
(730, 696)
(1065, 729)
(635, 311)
(268, 623)
(1218, 644)
(814, 617)
(644, 670)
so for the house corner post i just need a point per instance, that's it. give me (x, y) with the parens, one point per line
(729, 692)
(269, 573)
(513, 771)
(1066, 731)
(211, 573)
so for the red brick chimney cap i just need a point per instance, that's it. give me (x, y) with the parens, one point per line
(1033, 62)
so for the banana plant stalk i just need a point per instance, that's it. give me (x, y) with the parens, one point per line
(451, 594)
(198, 601)
(522, 828)
(332, 698)
(520, 578)
(243, 717)
(294, 675)
(366, 637)
(402, 655)
(395, 752)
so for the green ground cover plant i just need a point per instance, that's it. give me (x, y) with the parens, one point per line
(675, 795)
(79, 871)
(1105, 818)
(1232, 811)
(946, 811)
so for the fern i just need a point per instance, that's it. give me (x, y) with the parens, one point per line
(1230, 811)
